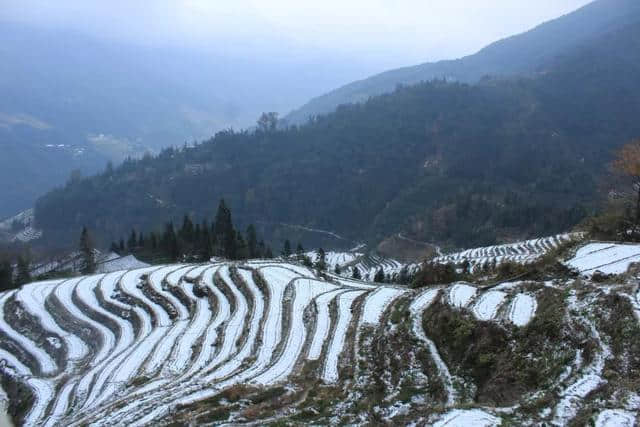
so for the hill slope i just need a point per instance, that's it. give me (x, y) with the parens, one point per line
(522, 54)
(447, 162)
(266, 341)
(105, 100)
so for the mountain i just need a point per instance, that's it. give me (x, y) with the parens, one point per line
(270, 341)
(451, 163)
(105, 100)
(522, 54)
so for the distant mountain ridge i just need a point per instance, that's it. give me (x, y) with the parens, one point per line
(526, 53)
(449, 163)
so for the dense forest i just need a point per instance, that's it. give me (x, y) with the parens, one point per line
(453, 163)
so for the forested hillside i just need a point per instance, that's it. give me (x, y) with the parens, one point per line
(522, 54)
(449, 162)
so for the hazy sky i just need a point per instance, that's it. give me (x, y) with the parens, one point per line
(382, 32)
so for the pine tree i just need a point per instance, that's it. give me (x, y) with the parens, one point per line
(122, 251)
(321, 260)
(154, 241)
(268, 253)
(224, 231)
(6, 275)
(186, 232)
(379, 277)
(356, 273)
(337, 269)
(299, 249)
(23, 276)
(114, 248)
(286, 250)
(141, 240)
(252, 242)
(242, 250)
(133, 241)
(262, 250)
(88, 265)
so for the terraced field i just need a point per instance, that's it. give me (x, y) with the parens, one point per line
(521, 252)
(262, 341)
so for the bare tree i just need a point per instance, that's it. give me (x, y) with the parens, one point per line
(627, 163)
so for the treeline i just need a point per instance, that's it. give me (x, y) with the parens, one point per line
(196, 241)
(13, 274)
(445, 162)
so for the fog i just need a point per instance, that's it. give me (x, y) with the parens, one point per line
(379, 33)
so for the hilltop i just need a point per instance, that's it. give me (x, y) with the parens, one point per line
(523, 54)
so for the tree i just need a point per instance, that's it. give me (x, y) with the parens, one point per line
(24, 275)
(627, 163)
(6, 275)
(337, 269)
(379, 277)
(252, 242)
(88, 265)
(286, 250)
(355, 274)
(299, 249)
(268, 122)
(224, 231)
(133, 241)
(122, 250)
(321, 260)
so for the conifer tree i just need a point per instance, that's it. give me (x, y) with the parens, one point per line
(286, 250)
(88, 265)
(24, 275)
(6, 275)
(122, 251)
(337, 269)
(242, 251)
(262, 250)
(299, 249)
(224, 231)
(141, 240)
(321, 260)
(133, 241)
(252, 242)
(268, 253)
(115, 248)
(356, 273)
(379, 277)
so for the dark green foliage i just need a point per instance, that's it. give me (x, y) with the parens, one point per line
(466, 165)
(6, 275)
(198, 241)
(87, 252)
(286, 248)
(504, 363)
(435, 274)
(379, 276)
(23, 275)
(321, 260)
(355, 273)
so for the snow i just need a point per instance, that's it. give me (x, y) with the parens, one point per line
(46, 363)
(468, 418)
(461, 294)
(323, 322)
(377, 302)
(128, 262)
(335, 258)
(615, 418)
(305, 291)
(416, 308)
(607, 258)
(488, 304)
(522, 309)
(330, 372)
(32, 298)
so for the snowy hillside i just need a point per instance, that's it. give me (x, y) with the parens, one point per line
(519, 252)
(262, 340)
